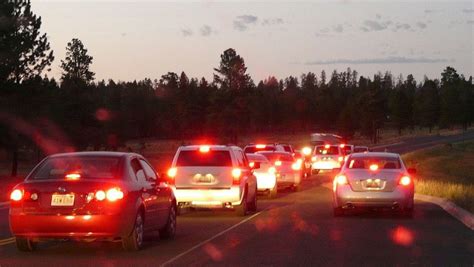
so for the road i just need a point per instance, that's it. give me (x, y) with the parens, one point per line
(295, 229)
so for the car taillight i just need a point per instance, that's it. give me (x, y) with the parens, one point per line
(260, 146)
(114, 194)
(306, 151)
(16, 195)
(272, 170)
(405, 181)
(341, 159)
(73, 176)
(100, 195)
(296, 166)
(236, 173)
(171, 175)
(313, 159)
(277, 163)
(204, 149)
(341, 179)
(252, 164)
(374, 167)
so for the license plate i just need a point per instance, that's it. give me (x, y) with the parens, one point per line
(62, 200)
(373, 183)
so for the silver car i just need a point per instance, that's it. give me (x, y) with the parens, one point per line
(288, 169)
(374, 180)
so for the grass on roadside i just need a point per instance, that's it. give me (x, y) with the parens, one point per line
(446, 171)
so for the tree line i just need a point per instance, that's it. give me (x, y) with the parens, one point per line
(78, 112)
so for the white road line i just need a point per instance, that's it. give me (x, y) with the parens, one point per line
(210, 239)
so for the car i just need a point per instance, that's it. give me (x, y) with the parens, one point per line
(213, 176)
(347, 149)
(374, 180)
(361, 149)
(265, 173)
(288, 169)
(92, 196)
(252, 148)
(327, 158)
(326, 138)
(288, 148)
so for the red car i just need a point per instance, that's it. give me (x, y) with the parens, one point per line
(92, 196)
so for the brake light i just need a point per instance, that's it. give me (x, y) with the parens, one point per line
(73, 176)
(277, 163)
(204, 149)
(16, 195)
(296, 166)
(252, 164)
(342, 145)
(259, 146)
(341, 159)
(272, 170)
(405, 181)
(313, 159)
(341, 179)
(327, 146)
(236, 173)
(306, 151)
(100, 195)
(114, 194)
(374, 167)
(172, 172)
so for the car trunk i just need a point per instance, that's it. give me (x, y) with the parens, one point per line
(204, 177)
(63, 197)
(363, 180)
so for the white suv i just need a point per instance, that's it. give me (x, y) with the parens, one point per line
(213, 176)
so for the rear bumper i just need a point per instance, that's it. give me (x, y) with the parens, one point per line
(209, 198)
(265, 181)
(289, 178)
(325, 165)
(400, 197)
(70, 226)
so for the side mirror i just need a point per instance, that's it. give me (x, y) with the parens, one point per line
(411, 171)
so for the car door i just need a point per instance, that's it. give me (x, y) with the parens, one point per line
(161, 191)
(148, 194)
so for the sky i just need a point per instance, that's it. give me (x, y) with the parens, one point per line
(133, 40)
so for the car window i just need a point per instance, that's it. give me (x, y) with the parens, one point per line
(150, 173)
(287, 148)
(240, 158)
(87, 167)
(367, 162)
(278, 156)
(138, 170)
(253, 149)
(215, 158)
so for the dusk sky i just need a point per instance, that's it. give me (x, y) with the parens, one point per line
(146, 39)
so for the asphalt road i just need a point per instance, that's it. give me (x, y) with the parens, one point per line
(295, 229)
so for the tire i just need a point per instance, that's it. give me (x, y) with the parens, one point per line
(273, 192)
(338, 212)
(134, 241)
(241, 210)
(253, 205)
(25, 244)
(169, 230)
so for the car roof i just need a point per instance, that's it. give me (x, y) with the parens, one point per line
(93, 154)
(213, 147)
(375, 154)
(272, 152)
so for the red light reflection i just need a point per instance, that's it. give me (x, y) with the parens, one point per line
(213, 252)
(402, 236)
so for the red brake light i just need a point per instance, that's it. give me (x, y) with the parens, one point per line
(114, 194)
(374, 167)
(342, 145)
(341, 159)
(327, 146)
(16, 195)
(73, 176)
(306, 151)
(405, 180)
(204, 149)
(296, 166)
(100, 195)
(313, 159)
(341, 179)
(259, 146)
(277, 163)
(252, 164)
(236, 173)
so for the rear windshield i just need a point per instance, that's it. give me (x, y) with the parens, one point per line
(366, 162)
(322, 150)
(347, 149)
(197, 158)
(278, 156)
(253, 149)
(287, 148)
(257, 158)
(360, 149)
(87, 167)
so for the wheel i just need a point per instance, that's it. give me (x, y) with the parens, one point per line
(314, 172)
(134, 241)
(338, 212)
(25, 244)
(253, 205)
(296, 187)
(241, 210)
(273, 192)
(169, 230)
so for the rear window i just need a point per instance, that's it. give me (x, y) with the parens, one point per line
(322, 150)
(360, 149)
(257, 158)
(197, 158)
(253, 149)
(347, 149)
(87, 167)
(287, 148)
(278, 156)
(366, 162)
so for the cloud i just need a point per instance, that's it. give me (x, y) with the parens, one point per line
(470, 22)
(386, 60)
(402, 26)
(468, 10)
(186, 32)
(421, 25)
(206, 30)
(241, 23)
(338, 28)
(372, 25)
(272, 21)
(378, 16)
